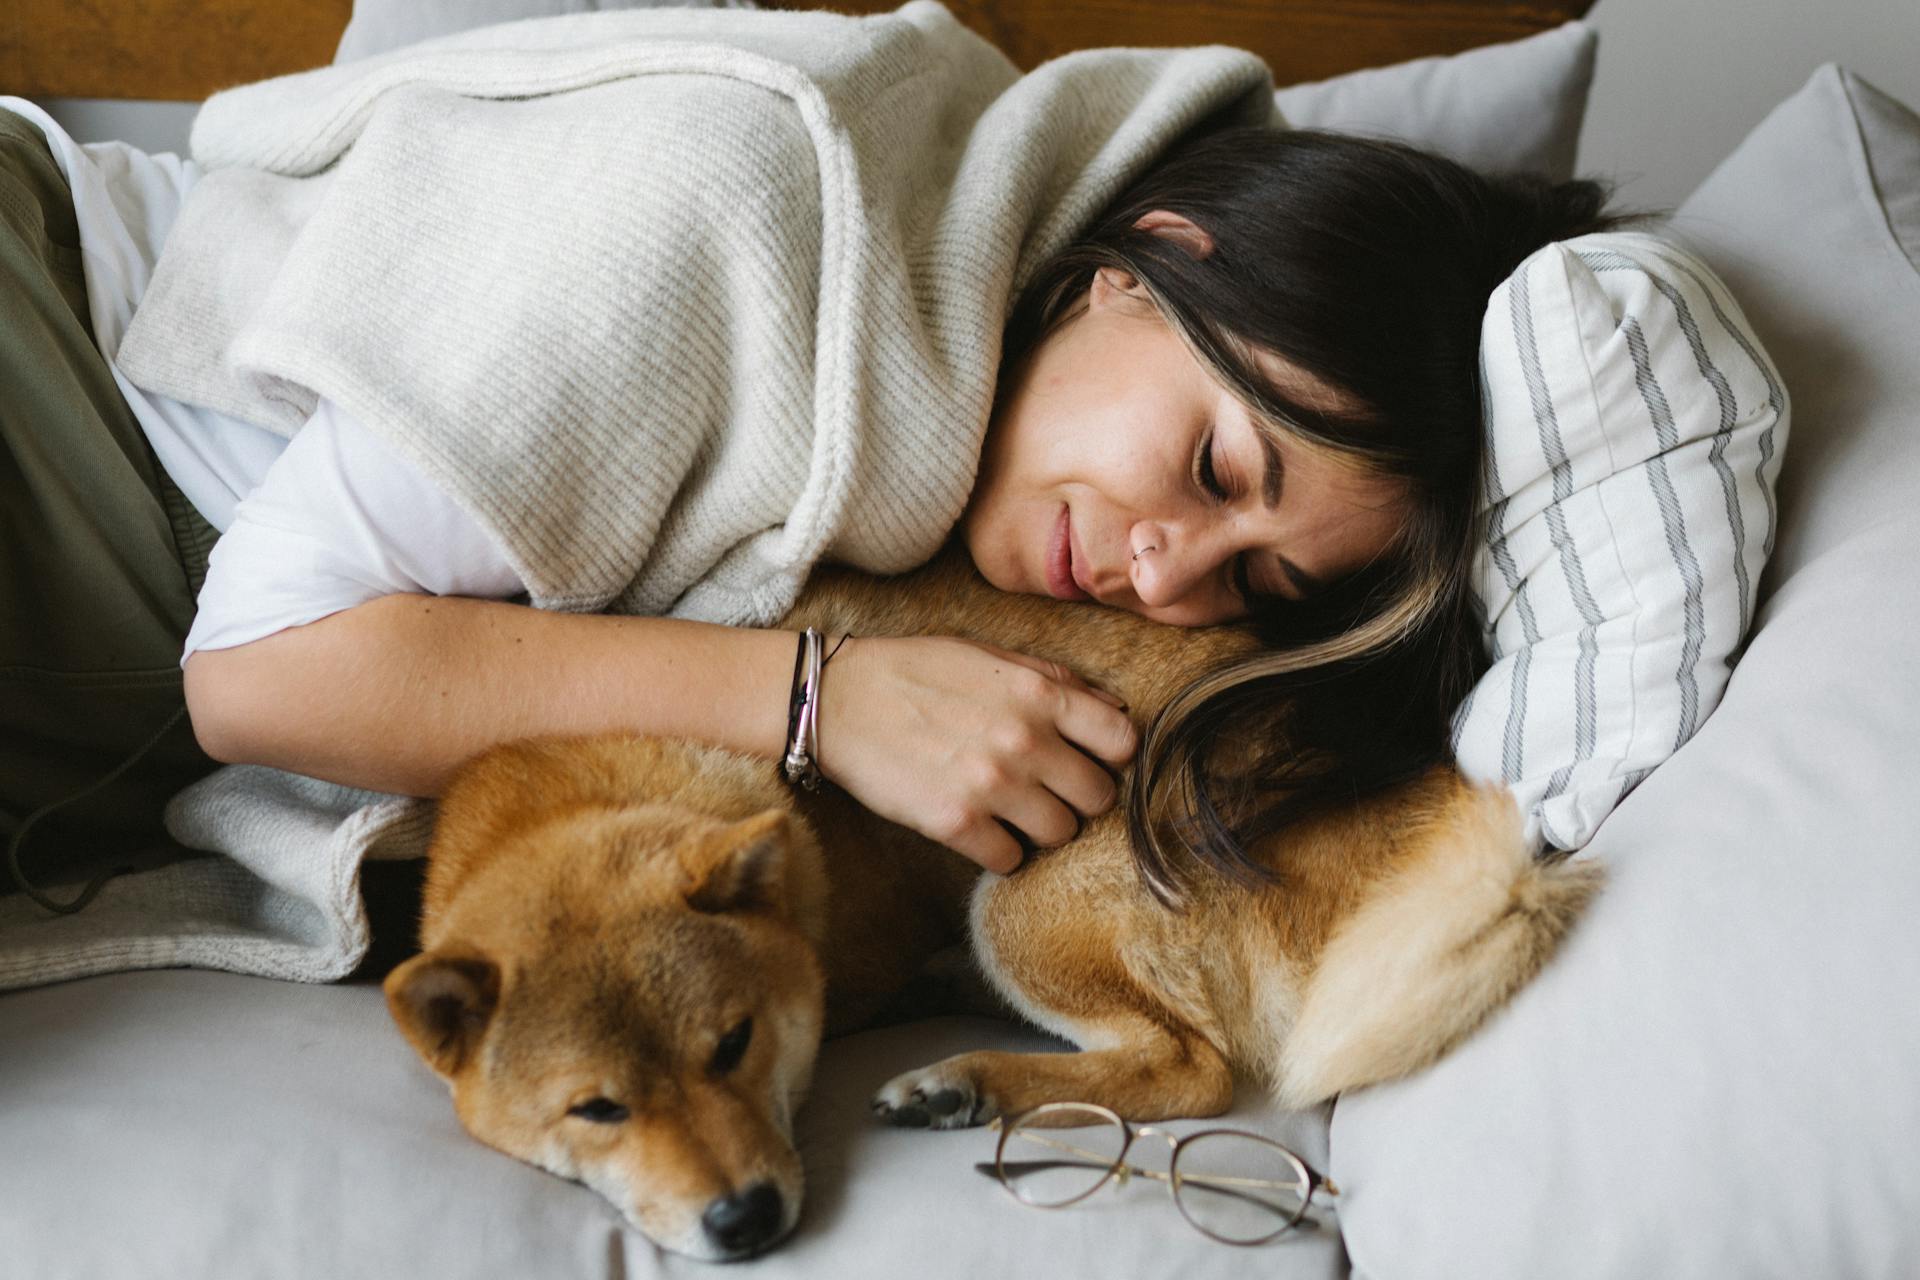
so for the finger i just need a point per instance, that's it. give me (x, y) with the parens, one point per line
(1074, 680)
(1097, 727)
(1056, 672)
(1078, 780)
(1040, 816)
(989, 844)
(1051, 670)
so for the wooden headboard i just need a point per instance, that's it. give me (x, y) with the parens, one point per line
(185, 49)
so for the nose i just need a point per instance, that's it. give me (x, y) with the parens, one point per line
(744, 1220)
(1170, 560)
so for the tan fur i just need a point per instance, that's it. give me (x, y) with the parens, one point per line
(1441, 942)
(600, 911)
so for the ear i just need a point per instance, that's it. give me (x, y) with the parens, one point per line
(1111, 284)
(442, 1002)
(742, 867)
(1188, 234)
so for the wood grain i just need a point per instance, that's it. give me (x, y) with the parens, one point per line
(175, 49)
(186, 49)
(1299, 39)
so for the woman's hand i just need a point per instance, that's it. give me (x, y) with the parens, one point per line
(953, 738)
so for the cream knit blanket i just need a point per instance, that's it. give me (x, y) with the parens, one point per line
(674, 302)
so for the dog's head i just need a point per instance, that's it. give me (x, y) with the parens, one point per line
(626, 998)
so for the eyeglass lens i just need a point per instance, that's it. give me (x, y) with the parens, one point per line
(1061, 1154)
(1238, 1188)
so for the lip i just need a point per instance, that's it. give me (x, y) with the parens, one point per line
(1077, 562)
(1062, 582)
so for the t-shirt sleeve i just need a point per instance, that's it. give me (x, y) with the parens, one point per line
(339, 519)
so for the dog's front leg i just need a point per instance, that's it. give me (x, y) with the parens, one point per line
(1154, 1075)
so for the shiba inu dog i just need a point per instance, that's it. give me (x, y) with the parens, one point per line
(632, 947)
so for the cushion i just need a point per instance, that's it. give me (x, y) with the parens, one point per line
(1499, 108)
(1716, 1074)
(380, 25)
(1635, 428)
(183, 1123)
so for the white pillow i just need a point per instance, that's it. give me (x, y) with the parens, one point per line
(378, 26)
(1635, 430)
(1498, 108)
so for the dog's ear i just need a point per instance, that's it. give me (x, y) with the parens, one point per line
(742, 867)
(442, 1002)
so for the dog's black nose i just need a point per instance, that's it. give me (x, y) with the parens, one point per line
(744, 1220)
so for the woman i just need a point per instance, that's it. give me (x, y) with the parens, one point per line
(1302, 448)
(1247, 392)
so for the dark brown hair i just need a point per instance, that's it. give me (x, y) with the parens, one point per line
(1368, 264)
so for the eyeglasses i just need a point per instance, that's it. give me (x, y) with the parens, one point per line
(1237, 1187)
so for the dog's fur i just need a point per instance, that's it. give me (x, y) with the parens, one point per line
(600, 913)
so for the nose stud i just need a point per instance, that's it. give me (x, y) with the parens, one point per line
(1138, 554)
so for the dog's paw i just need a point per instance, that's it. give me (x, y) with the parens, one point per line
(935, 1097)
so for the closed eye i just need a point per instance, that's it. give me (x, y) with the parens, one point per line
(599, 1110)
(732, 1048)
(1206, 472)
(1208, 477)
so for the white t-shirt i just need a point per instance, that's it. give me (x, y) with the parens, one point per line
(330, 520)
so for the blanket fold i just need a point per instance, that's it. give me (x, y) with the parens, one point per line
(675, 303)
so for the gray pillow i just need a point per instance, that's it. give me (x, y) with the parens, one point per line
(1500, 108)
(1719, 1075)
(380, 25)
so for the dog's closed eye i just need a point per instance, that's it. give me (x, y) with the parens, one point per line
(599, 1110)
(732, 1048)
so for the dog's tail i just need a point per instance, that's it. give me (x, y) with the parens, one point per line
(1434, 948)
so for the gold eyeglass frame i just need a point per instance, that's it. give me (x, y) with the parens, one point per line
(1119, 1170)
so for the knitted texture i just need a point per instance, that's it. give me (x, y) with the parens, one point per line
(674, 302)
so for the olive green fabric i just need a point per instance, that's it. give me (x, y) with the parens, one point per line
(100, 561)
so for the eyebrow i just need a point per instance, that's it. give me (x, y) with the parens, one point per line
(1270, 482)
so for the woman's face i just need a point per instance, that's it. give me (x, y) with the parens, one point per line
(1118, 469)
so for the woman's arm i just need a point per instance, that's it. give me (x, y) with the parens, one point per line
(395, 693)
(957, 740)
(422, 664)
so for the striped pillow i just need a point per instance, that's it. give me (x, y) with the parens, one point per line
(1634, 434)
